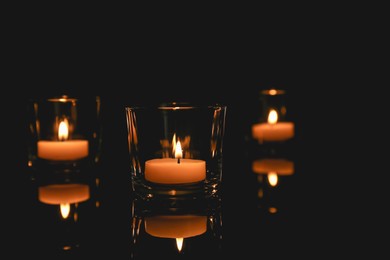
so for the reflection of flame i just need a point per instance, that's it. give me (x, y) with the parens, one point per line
(63, 131)
(64, 195)
(65, 210)
(174, 143)
(272, 178)
(272, 116)
(179, 243)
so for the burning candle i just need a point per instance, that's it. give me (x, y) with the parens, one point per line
(175, 170)
(273, 130)
(64, 149)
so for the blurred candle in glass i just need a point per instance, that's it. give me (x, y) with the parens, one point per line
(63, 149)
(273, 130)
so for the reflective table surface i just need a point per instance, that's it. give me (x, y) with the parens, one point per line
(290, 199)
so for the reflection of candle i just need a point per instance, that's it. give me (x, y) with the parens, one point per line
(63, 193)
(175, 171)
(278, 166)
(273, 130)
(176, 226)
(64, 149)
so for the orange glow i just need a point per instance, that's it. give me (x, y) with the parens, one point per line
(183, 226)
(272, 117)
(63, 130)
(179, 243)
(272, 210)
(272, 92)
(280, 166)
(65, 210)
(260, 193)
(273, 178)
(57, 194)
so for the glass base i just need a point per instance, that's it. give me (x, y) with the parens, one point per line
(148, 191)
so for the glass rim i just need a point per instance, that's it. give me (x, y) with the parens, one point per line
(173, 106)
(65, 99)
(273, 92)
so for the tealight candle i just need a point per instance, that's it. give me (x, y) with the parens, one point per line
(175, 170)
(273, 130)
(64, 149)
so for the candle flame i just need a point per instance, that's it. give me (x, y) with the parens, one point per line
(65, 210)
(179, 243)
(273, 178)
(63, 130)
(272, 116)
(178, 151)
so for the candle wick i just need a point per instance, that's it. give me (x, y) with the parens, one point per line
(178, 160)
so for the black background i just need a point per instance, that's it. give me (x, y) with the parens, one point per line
(138, 60)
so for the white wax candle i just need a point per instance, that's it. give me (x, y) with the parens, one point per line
(273, 130)
(63, 150)
(57, 194)
(176, 226)
(169, 171)
(278, 166)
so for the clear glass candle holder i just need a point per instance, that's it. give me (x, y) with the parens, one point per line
(176, 150)
(65, 134)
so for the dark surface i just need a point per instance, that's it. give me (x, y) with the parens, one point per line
(331, 205)
(313, 206)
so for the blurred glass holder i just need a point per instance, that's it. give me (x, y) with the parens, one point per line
(176, 150)
(272, 124)
(65, 134)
